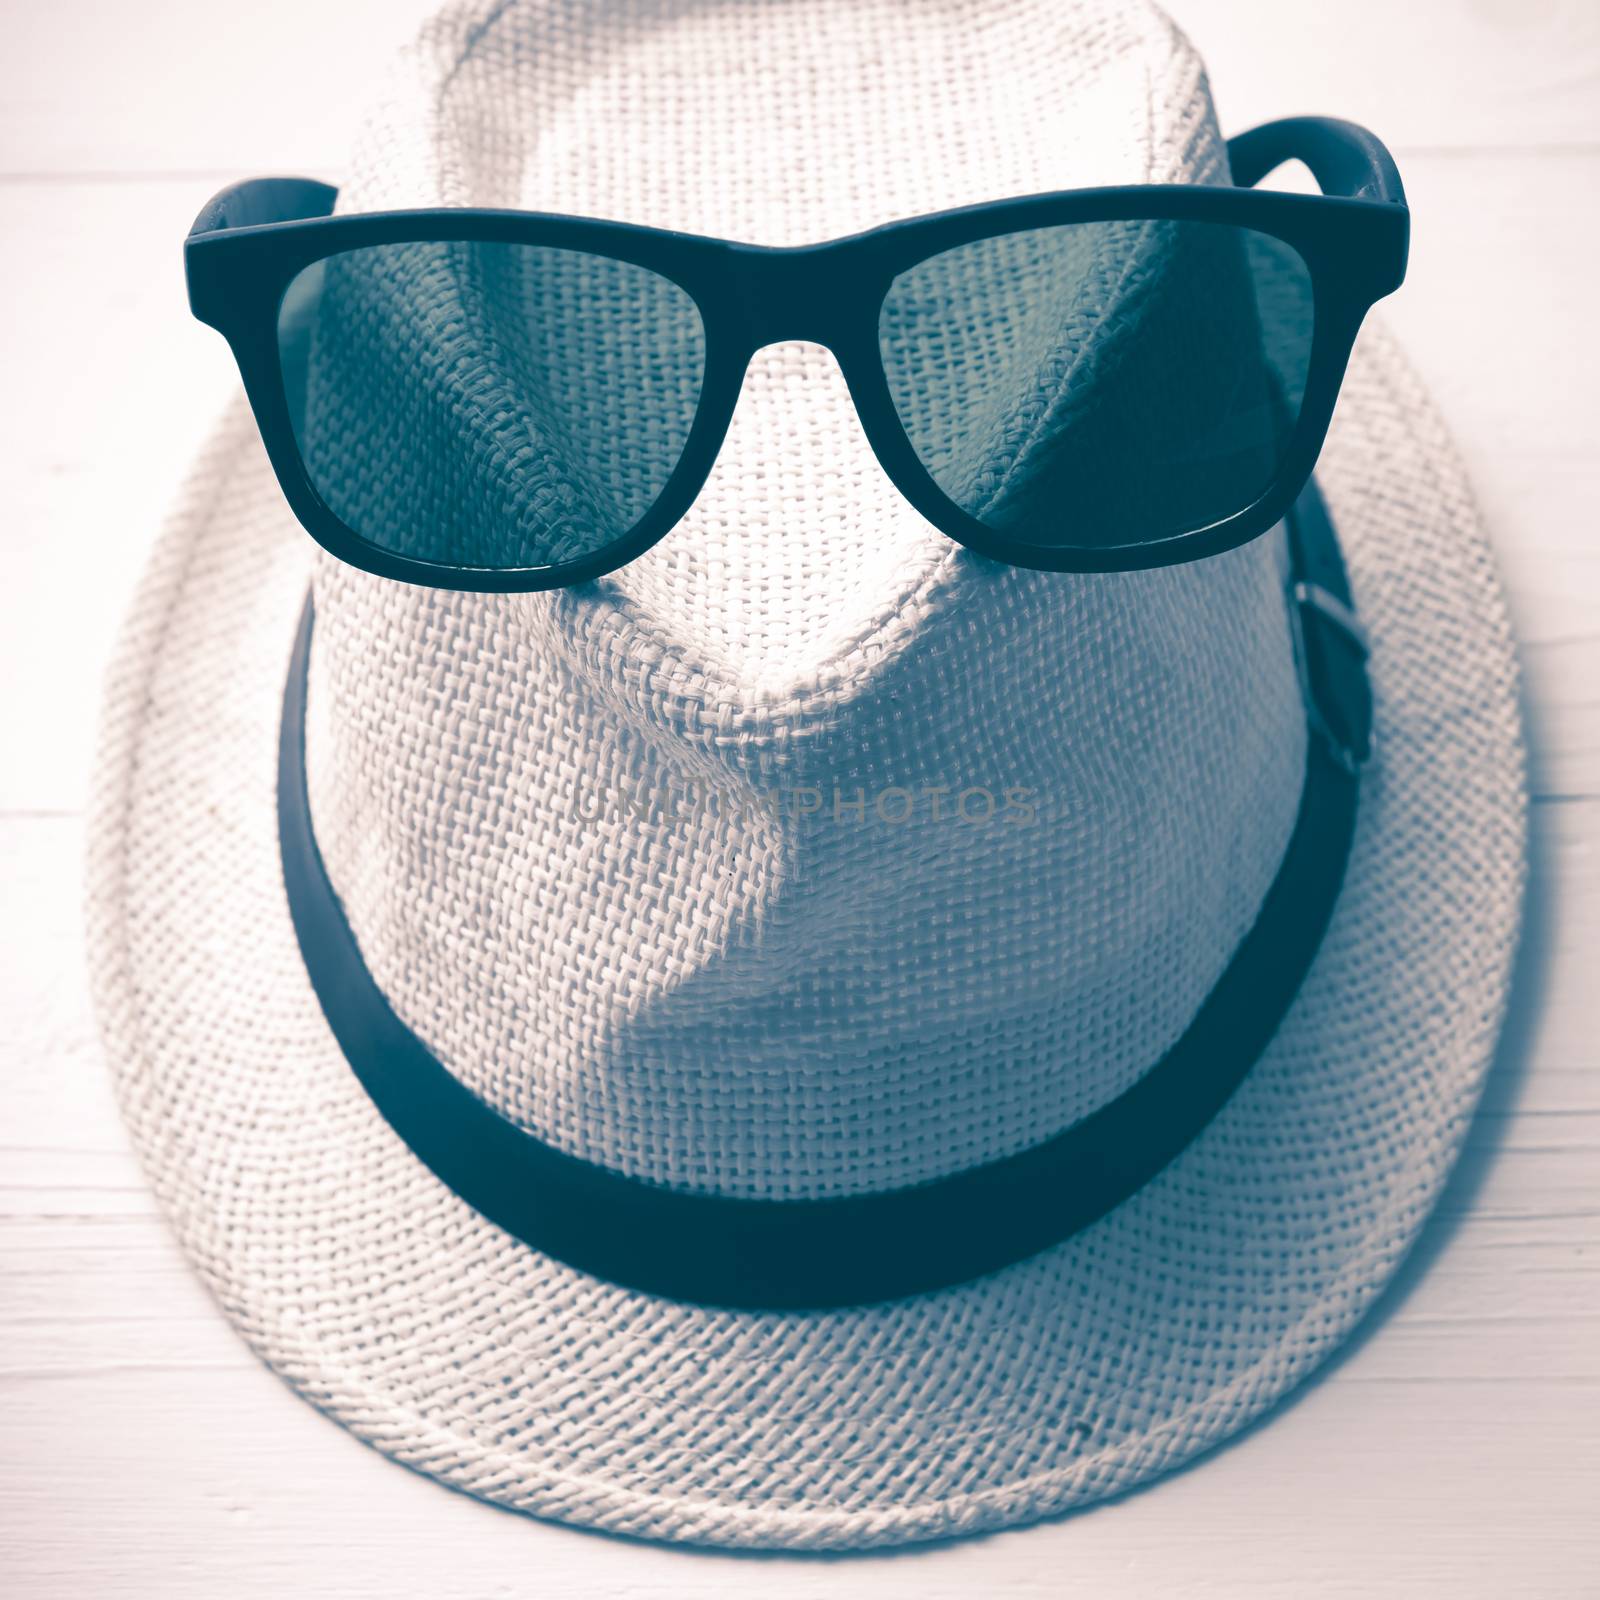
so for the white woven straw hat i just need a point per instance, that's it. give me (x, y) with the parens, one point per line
(774, 1001)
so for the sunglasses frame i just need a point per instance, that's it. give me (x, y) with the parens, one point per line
(251, 240)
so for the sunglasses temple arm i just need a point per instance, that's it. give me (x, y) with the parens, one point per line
(263, 200)
(1344, 158)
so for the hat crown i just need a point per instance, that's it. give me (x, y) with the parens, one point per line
(808, 854)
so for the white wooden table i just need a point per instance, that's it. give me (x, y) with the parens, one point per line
(1452, 1450)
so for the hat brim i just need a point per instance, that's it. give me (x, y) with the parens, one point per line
(1167, 1326)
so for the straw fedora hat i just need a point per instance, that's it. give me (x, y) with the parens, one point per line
(617, 858)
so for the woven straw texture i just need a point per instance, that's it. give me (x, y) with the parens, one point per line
(574, 835)
(644, 947)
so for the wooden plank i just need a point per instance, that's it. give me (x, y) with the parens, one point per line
(121, 1379)
(103, 87)
(95, 86)
(224, 1486)
(1498, 316)
(108, 387)
(1464, 75)
(98, 440)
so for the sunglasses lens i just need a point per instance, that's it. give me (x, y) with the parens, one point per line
(1101, 384)
(479, 404)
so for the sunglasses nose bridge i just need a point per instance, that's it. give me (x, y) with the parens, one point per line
(791, 292)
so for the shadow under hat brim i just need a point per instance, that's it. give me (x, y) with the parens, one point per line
(1162, 1329)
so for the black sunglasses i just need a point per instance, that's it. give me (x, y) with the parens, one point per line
(1090, 381)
